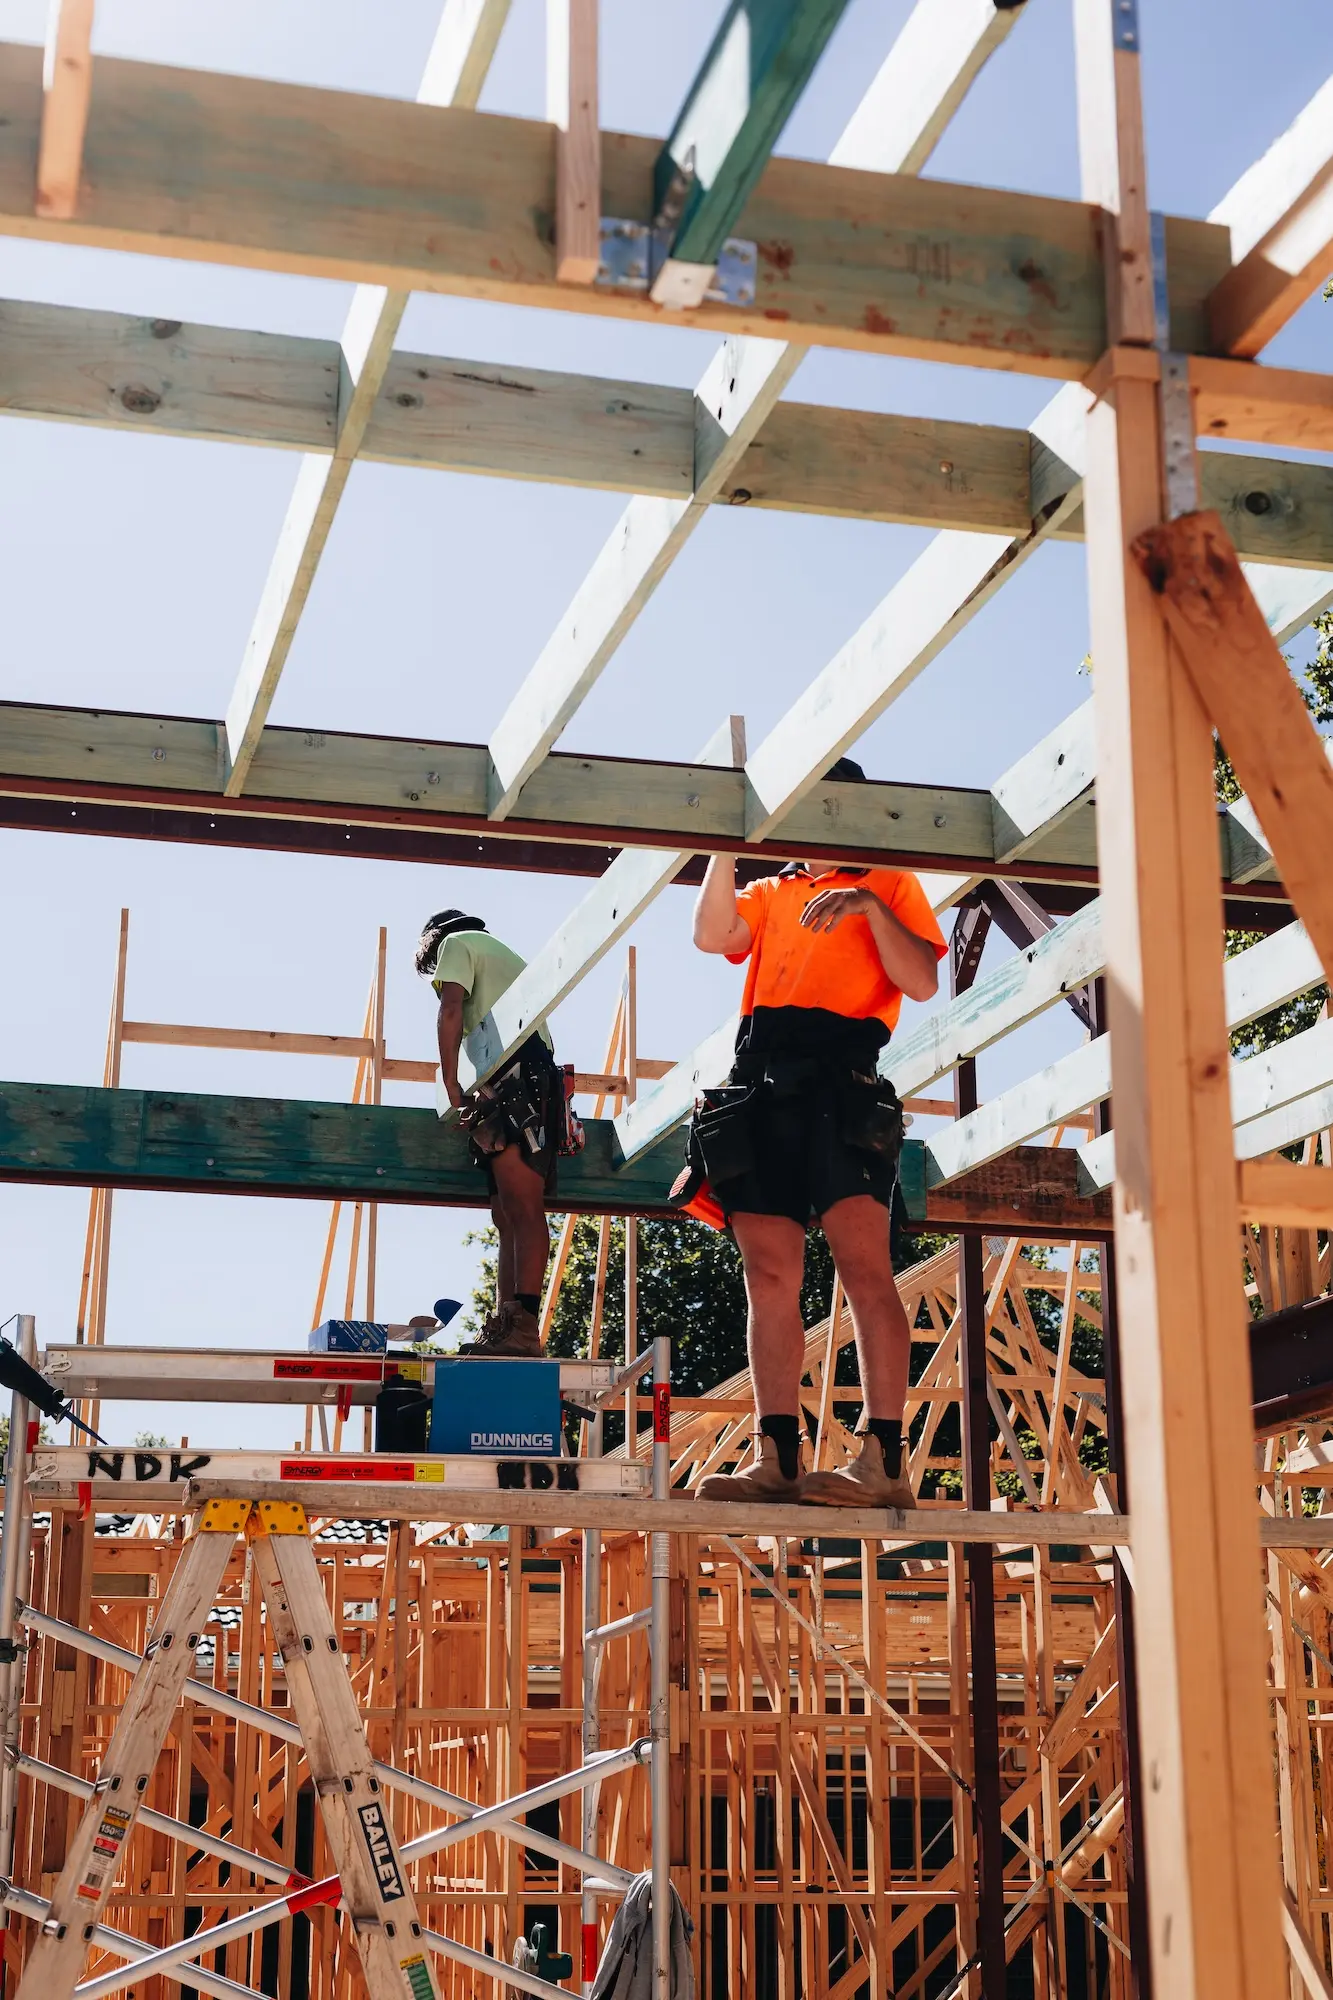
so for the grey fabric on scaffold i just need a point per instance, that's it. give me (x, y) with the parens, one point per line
(626, 1970)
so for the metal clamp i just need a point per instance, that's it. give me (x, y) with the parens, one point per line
(636, 258)
(1125, 25)
(1179, 460)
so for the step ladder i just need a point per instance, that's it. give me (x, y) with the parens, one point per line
(376, 1895)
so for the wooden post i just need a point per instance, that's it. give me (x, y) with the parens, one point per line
(1133, 1844)
(375, 1089)
(91, 1324)
(571, 106)
(631, 1224)
(565, 1243)
(1206, 1738)
(67, 85)
(65, 1694)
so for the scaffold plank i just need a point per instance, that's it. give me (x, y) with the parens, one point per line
(118, 1373)
(59, 1471)
(120, 1473)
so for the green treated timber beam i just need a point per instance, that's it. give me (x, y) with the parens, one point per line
(66, 1135)
(325, 183)
(162, 378)
(72, 1136)
(760, 61)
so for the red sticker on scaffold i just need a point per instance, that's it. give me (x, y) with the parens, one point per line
(347, 1469)
(662, 1412)
(102, 1863)
(327, 1368)
(589, 1952)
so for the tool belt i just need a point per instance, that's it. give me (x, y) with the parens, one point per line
(528, 1104)
(721, 1141)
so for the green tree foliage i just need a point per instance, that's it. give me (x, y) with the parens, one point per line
(43, 1434)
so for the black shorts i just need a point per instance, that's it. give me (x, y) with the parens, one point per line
(527, 1110)
(802, 1162)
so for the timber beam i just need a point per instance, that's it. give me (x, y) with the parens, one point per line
(69, 1135)
(325, 183)
(156, 377)
(160, 777)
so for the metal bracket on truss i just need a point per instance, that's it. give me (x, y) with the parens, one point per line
(635, 257)
(1178, 427)
(1125, 25)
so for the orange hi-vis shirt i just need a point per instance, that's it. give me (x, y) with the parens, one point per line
(839, 970)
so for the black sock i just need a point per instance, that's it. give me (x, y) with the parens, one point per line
(889, 1431)
(531, 1302)
(786, 1435)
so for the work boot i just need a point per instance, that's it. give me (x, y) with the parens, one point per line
(763, 1480)
(863, 1483)
(511, 1334)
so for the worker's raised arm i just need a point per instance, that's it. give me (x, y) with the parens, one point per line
(449, 1029)
(718, 924)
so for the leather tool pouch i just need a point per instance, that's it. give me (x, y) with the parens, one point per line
(870, 1116)
(506, 1111)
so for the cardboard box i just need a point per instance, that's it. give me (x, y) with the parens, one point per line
(497, 1409)
(349, 1336)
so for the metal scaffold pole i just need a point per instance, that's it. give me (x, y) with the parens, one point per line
(661, 1674)
(592, 1725)
(17, 1535)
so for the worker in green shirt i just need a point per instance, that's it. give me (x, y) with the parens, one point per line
(517, 1120)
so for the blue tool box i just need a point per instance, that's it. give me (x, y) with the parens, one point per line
(497, 1409)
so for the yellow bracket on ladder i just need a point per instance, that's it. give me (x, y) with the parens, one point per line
(250, 1518)
(222, 1517)
(276, 1517)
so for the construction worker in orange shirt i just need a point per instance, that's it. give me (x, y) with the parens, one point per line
(806, 1130)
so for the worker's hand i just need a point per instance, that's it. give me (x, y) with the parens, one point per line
(457, 1095)
(825, 912)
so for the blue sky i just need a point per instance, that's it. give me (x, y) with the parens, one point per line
(132, 568)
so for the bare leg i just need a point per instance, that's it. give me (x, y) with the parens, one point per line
(858, 1235)
(520, 1216)
(772, 1250)
(504, 1255)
